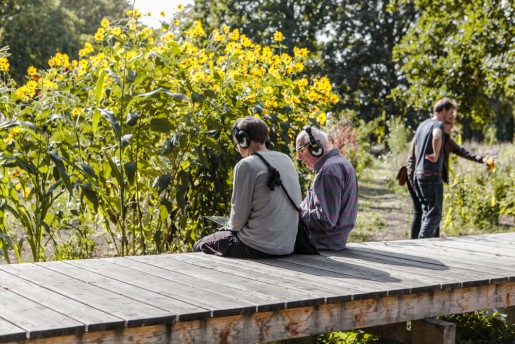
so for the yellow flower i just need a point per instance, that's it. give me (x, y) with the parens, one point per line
(116, 31)
(180, 7)
(162, 13)
(104, 23)
(31, 71)
(4, 64)
(297, 52)
(149, 14)
(12, 134)
(16, 172)
(100, 34)
(278, 36)
(176, 22)
(321, 118)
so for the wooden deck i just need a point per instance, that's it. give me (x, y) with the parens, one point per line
(196, 298)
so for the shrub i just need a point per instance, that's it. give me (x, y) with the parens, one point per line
(135, 135)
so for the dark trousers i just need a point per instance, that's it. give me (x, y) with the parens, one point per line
(416, 222)
(429, 191)
(227, 244)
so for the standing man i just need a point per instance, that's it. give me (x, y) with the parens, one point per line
(331, 205)
(429, 160)
(449, 147)
(263, 223)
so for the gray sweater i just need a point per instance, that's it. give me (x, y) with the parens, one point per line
(265, 220)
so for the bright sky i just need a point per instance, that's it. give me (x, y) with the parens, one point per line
(156, 7)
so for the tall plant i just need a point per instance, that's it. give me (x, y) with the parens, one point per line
(140, 125)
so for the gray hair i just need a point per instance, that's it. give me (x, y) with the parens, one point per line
(318, 135)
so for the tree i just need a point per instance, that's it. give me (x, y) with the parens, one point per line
(466, 51)
(35, 30)
(351, 42)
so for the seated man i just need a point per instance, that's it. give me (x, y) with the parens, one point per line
(263, 223)
(331, 205)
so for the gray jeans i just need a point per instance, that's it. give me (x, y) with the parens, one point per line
(429, 190)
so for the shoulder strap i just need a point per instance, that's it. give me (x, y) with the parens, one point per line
(275, 179)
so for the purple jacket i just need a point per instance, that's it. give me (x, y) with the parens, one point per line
(331, 205)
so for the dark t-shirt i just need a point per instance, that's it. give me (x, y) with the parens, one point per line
(424, 142)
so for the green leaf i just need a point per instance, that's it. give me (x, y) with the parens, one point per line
(115, 170)
(99, 87)
(90, 195)
(161, 125)
(109, 115)
(58, 161)
(115, 77)
(162, 182)
(176, 96)
(125, 140)
(27, 166)
(130, 171)
(197, 97)
(132, 118)
(88, 170)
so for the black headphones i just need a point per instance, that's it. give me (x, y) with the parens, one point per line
(241, 136)
(314, 146)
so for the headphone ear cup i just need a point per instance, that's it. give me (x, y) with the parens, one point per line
(243, 139)
(316, 149)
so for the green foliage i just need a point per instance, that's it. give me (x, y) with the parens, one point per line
(135, 136)
(475, 199)
(463, 51)
(36, 30)
(481, 328)
(398, 136)
(350, 337)
(350, 41)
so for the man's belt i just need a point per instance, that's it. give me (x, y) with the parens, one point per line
(428, 173)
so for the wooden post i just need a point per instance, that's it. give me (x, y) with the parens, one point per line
(426, 331)
(510, 315)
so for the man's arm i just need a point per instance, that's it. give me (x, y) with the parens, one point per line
(321, 208)
(437, 145)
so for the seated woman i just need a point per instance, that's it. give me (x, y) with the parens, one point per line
(263, 223)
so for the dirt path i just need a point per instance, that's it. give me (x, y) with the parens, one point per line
(384, 208)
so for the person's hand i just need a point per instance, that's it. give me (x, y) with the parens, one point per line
(490, 163)
(432, 157)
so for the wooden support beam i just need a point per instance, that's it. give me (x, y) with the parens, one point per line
(426, 331)
(307, 321)
(510, 315)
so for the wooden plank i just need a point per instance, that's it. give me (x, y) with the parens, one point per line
(429, 273)
(156, 334)
(464, 245)
(285, 273)
(446, 257)
(168, 306)
(133, 312)
(200, 294)
(346, 287)
(264, 296)
(36, 320)
(10, 332)
(405, 281)
(94, 319)
(299, 294)
(290, 294)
